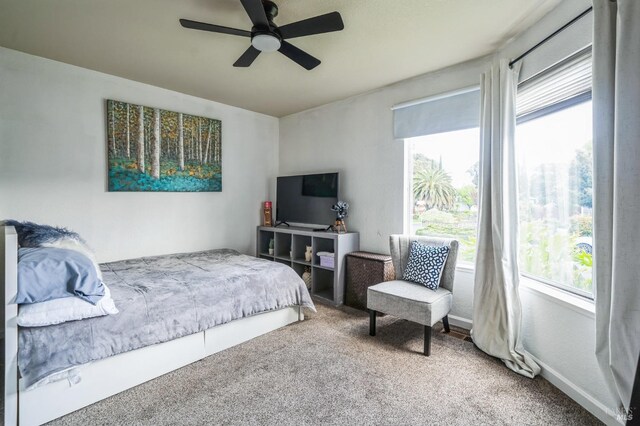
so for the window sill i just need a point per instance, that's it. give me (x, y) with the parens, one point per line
(576, 303)
(465, 267)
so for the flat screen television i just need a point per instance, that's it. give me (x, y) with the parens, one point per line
(307, 199)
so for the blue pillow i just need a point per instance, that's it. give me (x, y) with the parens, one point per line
(52, 273)
(425, 264)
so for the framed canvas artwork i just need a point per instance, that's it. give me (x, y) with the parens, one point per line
(150, 149)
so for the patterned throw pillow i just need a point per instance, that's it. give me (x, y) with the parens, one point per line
(425, 264)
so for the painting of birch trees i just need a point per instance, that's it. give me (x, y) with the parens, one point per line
(156, 150)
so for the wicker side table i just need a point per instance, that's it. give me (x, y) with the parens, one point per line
(365, 269)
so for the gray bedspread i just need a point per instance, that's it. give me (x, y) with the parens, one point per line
(162, 298)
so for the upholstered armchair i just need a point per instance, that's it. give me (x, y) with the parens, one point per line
(411, 301)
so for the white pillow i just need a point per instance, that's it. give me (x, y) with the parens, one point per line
(57, 311)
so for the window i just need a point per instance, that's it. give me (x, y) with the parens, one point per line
(555, 173)
(444, 187)
(442, 138)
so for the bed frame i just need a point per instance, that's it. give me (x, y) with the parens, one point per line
(103, 378)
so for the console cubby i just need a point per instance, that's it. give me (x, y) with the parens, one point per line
(322, 245)
(299, 268)
(323, 284)
(299, 248)
(283, 246)
(289, 249)
(263, 243)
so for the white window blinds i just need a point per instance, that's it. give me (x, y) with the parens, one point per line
(566, 82)
(437, 114)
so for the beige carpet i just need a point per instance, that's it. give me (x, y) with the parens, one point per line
(327, 370)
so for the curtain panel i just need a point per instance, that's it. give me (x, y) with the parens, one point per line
(616, 155)
(497, 309)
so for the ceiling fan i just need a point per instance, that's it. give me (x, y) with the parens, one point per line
(268, 37)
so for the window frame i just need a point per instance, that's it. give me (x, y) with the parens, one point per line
(547, 110)
(559, 286)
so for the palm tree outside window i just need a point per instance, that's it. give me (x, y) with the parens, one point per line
(444, 187)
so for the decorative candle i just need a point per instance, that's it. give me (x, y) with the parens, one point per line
(266, 214)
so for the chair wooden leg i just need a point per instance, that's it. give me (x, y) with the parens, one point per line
(372, 322)
(427, 340)
(445, 322)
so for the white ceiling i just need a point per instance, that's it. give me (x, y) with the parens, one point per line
(383, 42)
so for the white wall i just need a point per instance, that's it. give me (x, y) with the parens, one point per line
(354, 136)
(560, 333)
(53, 164)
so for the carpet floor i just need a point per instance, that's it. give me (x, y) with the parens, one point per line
(328, 370)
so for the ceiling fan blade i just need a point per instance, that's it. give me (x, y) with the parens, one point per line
(316, 25)
(256, 12)
(195, 25)
(298, 56)
(247, 57)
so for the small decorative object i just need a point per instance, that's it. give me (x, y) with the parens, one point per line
(150, 149)
(266, 214)
(326, 258)
(307, 254)
(306, 277)
(271, 243)
(342, 210)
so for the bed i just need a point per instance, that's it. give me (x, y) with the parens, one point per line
(174, 310)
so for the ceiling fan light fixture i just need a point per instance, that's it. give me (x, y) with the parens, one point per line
(265, 42)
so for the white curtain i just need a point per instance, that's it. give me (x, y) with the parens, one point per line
(616, 155)
(496, 301)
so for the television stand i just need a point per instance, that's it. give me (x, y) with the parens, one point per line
(328, 228)
(290, 247)
(282, 222)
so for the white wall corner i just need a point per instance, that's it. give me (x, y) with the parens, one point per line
(607, 415)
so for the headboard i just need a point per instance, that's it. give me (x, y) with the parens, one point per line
(9, 277)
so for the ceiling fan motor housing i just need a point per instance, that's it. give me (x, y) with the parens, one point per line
(270, 8)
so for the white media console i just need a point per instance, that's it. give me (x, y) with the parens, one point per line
(289, 248)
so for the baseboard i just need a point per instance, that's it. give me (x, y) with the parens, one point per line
(589, 403)
(460, 322)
